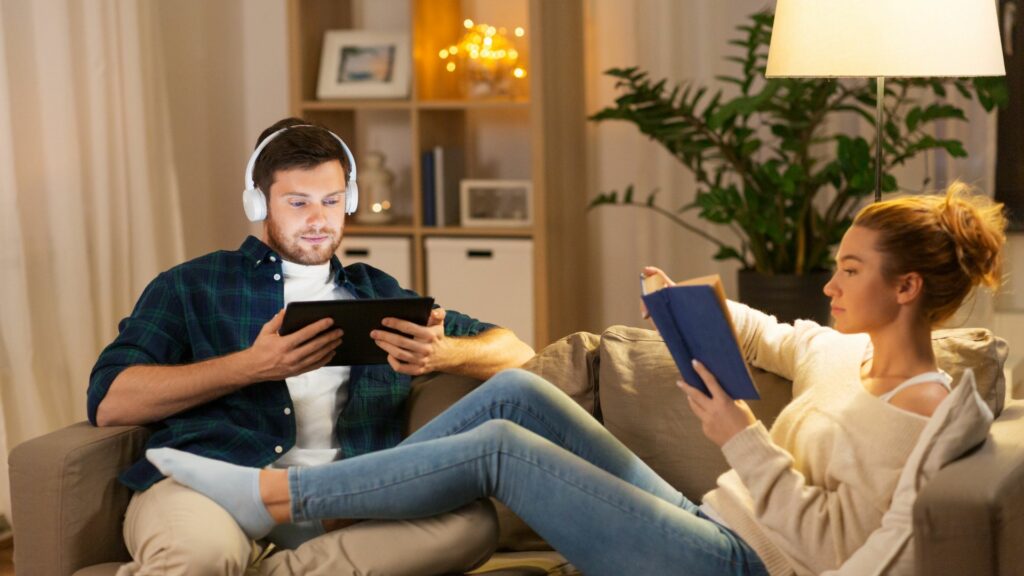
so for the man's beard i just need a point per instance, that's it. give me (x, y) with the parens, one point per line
(295, 250)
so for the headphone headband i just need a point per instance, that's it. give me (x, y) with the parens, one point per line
(254, 200)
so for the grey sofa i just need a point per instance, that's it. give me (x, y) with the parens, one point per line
(68, 506)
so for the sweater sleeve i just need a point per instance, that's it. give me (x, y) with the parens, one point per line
(769, 344)
(803, 515)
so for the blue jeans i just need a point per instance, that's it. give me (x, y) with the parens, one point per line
(521, 440)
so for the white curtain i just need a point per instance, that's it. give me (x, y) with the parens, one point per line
(683, 40)
(89, 207)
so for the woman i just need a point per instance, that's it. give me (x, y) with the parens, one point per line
(800, 499)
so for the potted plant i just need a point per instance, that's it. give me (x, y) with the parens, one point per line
(767, 169)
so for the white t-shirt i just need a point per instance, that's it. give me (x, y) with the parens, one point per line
(318, 396)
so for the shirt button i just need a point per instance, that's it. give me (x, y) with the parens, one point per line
(273, 258)
(287, 411)
(277, 277)
(278, 449)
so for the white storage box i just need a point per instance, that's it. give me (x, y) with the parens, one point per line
(488, 278)
(392, 254)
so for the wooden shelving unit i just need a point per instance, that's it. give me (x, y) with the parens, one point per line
(552, 118)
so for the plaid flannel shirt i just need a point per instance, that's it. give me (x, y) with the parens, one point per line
(217, 304)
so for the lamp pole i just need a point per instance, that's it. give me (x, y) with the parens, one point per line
(880, 95)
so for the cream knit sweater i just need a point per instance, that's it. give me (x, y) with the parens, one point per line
(808, 494)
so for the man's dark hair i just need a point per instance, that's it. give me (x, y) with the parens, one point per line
(305, 147)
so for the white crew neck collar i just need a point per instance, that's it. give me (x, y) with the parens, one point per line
(314, 272)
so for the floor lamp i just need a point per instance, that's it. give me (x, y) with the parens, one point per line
(884, 38)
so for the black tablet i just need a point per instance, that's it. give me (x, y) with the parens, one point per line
(357, 318)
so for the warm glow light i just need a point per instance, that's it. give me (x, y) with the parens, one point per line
(486, 54)
(376, 207)
(872, 38)
(386, 205)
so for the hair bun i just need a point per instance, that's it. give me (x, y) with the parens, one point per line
(977, 227)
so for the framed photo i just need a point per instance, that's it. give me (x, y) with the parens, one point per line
(496, 202)
(364, 64)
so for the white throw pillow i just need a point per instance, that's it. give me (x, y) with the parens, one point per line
(960, 422)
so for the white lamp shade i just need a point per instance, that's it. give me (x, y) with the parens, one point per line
(893, 38)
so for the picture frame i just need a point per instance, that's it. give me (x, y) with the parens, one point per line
(496, 202)
(364, 64)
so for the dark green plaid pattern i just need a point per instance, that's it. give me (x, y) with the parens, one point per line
(215, 305)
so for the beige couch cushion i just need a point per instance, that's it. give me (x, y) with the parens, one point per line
(570, 364)
(976, 348)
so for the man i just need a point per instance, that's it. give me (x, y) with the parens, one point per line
(201, 360)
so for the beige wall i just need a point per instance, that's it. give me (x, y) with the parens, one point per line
(227, 69)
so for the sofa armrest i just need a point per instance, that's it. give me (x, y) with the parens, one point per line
(67, 504)
(969, 519)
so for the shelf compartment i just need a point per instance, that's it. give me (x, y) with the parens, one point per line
(362, 104)
(495, 103)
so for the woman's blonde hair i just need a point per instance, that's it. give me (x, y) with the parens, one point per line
(955, 242)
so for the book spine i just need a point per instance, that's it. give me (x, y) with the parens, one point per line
(427, 181)
(439, 191)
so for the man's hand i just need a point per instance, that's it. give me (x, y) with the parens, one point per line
(721, 416)
(276, 357)
(419, 349)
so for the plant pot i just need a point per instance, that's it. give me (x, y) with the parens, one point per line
(788, 297)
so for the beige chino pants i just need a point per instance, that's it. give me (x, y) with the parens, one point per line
(171, 530)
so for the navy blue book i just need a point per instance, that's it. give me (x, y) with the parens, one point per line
(427, 179)
(694, 320)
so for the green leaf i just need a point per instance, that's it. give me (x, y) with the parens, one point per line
(992, 92)
(750, 147)
(600, 199)
(727, 252)
(891, 130)
(954, 147)
(913, 117)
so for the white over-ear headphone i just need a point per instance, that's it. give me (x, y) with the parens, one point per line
(255, 201)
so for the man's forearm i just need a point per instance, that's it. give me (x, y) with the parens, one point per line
(147, 393)
(488, 353)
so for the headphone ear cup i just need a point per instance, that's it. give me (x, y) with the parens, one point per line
(255, 204)
(351, 197)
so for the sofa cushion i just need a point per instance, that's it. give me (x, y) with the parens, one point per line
(976, 348)
(570, 364)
